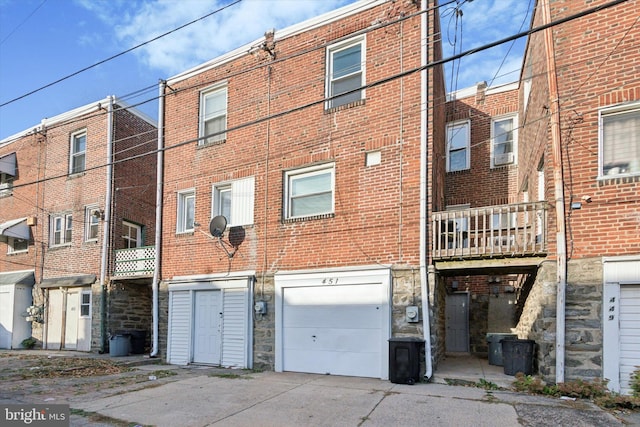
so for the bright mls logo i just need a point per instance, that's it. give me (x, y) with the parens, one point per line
(34, 415)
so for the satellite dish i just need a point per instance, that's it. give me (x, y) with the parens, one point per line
(217, 225)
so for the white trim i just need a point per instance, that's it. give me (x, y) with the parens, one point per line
(466, 123)
(181, 198)
(331, 50)
(605, 111)
(514, 142)
(306, 171)
(215, 276)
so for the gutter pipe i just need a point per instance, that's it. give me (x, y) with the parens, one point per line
(424, 286)
(105, 233)
(158, 235)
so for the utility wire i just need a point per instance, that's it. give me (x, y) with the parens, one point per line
(119, 54)
(23, 21)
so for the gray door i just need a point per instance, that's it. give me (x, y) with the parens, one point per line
(457, 322)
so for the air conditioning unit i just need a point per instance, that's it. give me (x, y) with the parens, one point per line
(503, 159)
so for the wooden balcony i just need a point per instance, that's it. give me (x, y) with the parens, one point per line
(135, 262)
(516, 230)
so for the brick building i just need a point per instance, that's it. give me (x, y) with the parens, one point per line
(576, 283)
(77, 187)
(315, 145)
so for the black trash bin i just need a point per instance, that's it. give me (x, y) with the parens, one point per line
(137, 339)
(517, 356)
(404, 359)
(494, 340)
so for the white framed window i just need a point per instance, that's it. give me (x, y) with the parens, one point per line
(458, 146)
(234, 200)
(77, 152)
(17, 245)
(131, 235)
(61, 228)
(504, 220)
(6, 184)
(92, 216)
(504, 140)
(186, 211)
(619, 146)
(309, 191)
(457, 228)
(85, 303)
(346, 72)
(213, 115)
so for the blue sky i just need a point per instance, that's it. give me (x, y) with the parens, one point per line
(42, 41)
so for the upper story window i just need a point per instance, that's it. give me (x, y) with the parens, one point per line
(620, 140)
(92, 217)
(213, 115)
(17, 245)
(77, 156)
(61, 227)
(235, 201)
(6, 184)
(345, 72)
(131, 235)
(186, 211)
(504, 140)
(458, 146)
(309, 191)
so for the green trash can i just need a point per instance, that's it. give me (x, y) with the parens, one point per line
(518, 356)
(494, 340)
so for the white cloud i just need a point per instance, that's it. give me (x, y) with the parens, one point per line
(141, 21)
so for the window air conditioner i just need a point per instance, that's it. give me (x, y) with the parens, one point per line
(503, 159)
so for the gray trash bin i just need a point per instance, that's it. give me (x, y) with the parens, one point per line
(518, 356)
(119, 345)
(495, 347)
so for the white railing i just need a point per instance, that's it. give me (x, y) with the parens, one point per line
(135, 261)
(504, 230)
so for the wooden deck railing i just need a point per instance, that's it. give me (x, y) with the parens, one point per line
(490, 231)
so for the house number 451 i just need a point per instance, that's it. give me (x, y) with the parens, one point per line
(330, 281)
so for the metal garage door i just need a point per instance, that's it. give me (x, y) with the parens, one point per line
(629, 334)
(337, 330)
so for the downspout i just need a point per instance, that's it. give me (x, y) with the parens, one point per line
(558, 184)
(424, 288)
(158, 235)
(105, 233)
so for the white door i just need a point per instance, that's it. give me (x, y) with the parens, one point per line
(72, 312)
(629, 334)
(6, 318)
(55, 307)
(335, 330)
(207, 327)
(457, 322)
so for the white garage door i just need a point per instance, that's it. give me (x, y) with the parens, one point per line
(337, 330)
(629, 334)
(6, 317)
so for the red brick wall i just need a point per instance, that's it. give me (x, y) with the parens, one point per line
(376, 208)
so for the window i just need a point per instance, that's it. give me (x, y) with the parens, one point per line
(78, 152)
(456, 230)
(85, 303)
(17, 245)
(186, 211)
(503, 220)
(309, 191)
(504, 136)
(131, 235)
(620, 140)
(61, 227)
(213, 115)
(345, 72)
(235, 201)
(92, 222)
(458, 146)
(6, 184)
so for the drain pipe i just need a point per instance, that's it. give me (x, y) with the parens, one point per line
(424, 287)
(158, 235)
(105, 234)
(558, 183)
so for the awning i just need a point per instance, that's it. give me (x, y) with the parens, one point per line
(69, 281)
(17, 228)
(18, 278)
(8, 164)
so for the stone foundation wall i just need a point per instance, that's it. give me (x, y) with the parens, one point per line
(583, 319)
(129, 308)
(264, 331)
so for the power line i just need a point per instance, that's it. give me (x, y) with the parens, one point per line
(119, 54)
